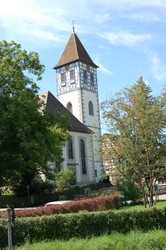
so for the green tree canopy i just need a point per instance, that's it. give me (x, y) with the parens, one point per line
(65, 179)
(136, 140)
(30, 136)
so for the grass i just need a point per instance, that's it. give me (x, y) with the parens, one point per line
(159, 204)
(153, 240)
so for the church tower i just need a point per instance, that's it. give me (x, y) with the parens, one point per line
(77, 90)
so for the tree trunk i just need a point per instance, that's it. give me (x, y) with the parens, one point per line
(151, 198)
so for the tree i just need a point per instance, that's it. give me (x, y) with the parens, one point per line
(30, 136)
(136, 141)
(65, 178)
(130, 191)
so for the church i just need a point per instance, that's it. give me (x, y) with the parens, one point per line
(77, 96)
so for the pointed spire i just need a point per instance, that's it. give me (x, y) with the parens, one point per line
(74, 51)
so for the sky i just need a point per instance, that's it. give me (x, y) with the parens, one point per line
(125, 38)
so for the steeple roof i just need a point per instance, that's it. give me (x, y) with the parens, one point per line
(74, 51)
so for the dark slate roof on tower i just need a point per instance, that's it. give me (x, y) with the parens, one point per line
(52, 104)
(74, 51)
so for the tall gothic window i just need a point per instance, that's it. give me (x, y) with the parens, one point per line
(70, 149)
(91, 110)
(83, 156)
(70, 107)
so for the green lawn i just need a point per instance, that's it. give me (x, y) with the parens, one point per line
(153, 240)
(159, 204)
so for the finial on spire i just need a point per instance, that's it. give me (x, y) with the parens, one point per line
(73, 23)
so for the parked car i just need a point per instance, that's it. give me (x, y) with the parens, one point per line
(53, 203)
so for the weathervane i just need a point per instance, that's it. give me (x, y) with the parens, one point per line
(73, 23)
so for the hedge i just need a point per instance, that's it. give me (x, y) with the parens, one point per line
(82, 225)
(93, 204)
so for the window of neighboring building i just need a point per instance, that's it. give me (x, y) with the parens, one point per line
(91, 110)
(70, 149)
(85, 76)
(83, 156)
(63, 79)
(91, 78)
(70, 107)
(72, 76)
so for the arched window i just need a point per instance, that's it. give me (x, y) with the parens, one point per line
(91, 111)
(70, 149)
(83, 156)
(69, 107)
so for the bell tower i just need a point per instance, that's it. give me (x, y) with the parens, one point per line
(77, 89)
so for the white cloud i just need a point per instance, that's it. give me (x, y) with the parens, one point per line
(150, 3)
(104, 69)
(128, 4)
(126, 38)
(144, 17)
(158, 71)
(33, 20)
(102, 18)
(20, 9)
(20, 17)
(145, 11)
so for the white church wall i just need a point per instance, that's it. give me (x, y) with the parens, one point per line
(75, 99)
(90, 120)
(75, 163)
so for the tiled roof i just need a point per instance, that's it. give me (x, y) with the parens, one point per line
(52, 103)
(74, 51)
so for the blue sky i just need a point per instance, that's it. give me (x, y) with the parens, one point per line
(125, 38)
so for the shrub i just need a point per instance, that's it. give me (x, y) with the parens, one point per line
(129, 191)
(93, 204)
(8, 200)
(65, 178)
(82, 225)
